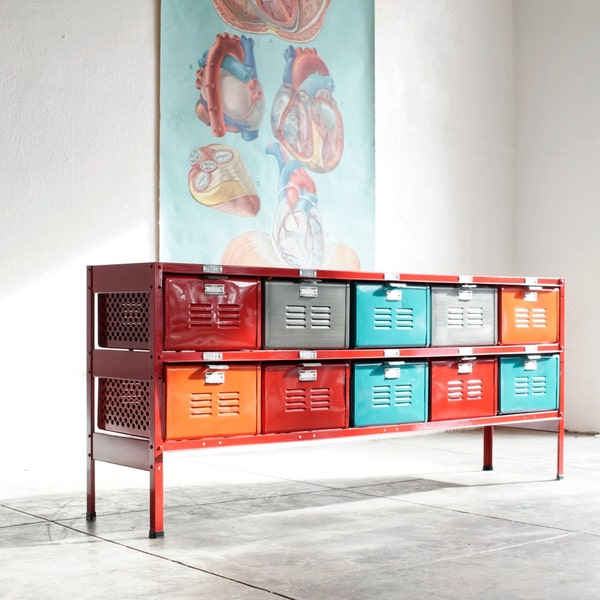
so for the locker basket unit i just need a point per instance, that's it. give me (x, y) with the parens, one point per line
(529, 383)
(124, 320)
(385, 393)
(528, 315)
(463, 388)
(391, 315)
(203, 313)
(211, 400)
(463, 316)
(300, 397)
(306, 314)
(124, 406)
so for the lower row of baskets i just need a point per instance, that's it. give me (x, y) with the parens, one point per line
(238, 399)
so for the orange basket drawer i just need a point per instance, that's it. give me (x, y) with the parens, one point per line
(528, 316)
(463, 388)
(212, 400)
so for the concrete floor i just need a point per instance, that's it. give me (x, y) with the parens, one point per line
(387, 518)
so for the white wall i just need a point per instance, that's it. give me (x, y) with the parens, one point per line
(557, 175)
(78, 186)
(79, 176)
(444, 136)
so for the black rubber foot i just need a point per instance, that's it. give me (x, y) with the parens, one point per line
(560, 477)
(156, 534)
(91, 516)
(488, 467)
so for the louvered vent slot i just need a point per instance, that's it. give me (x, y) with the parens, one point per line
(522, 318)
(229, 316)
(382, 396)
(123, 320)
(521, 387)
(474, 389)
(124, 406)
(455, 390)
(535, 317)
(320, 317)
(456, 316)
(200, 315)
(201, 405)
(295, 400)
(229, 403)
(405, 319)
(295, 316)
(320, 399)
(403, 394)
(475, 316)
(538, 386)
(539, 317)
(382, 318)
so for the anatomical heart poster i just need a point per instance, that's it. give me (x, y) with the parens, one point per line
(267, 133)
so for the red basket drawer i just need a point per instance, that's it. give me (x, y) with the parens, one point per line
(217, 400)
(463, 388)
(528, 316)
(202, 313)
(300, 397)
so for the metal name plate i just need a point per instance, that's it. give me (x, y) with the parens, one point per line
(214, 289)
(465, 351)
(391, 352)
(307, 375)
(391, 373)
(465, 295)
(307, 354)
(465, 368)
(212, 268)
(393, 295)
(214, 377)
(531, 296)
(309, 291)
(312, 273)
(530, 365)
(212, 356)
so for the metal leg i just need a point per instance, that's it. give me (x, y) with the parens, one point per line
(157, 498)
(90, 515)
(488, 448)
(560, 449)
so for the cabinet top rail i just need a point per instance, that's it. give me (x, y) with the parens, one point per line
(141, 276)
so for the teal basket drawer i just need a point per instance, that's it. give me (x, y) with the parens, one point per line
(391, 315)
(388, 393)
(528, 383)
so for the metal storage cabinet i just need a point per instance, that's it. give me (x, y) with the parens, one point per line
(391, 315)
(528, 315)
(306, 314)
(211, 400)
(384, 393)
(463, 316)
(307, 396)
(158, 381)
(529, 383)
(205, 313)
(463, 388)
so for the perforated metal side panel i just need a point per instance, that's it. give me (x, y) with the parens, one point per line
(123, 320)
(124, 406)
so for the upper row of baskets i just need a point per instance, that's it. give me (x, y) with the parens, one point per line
(245, 313)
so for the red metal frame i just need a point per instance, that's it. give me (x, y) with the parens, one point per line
(147, 365)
